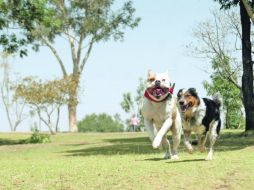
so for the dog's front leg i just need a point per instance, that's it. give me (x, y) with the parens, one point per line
(162, 132)
(187, 143)
(149, 128)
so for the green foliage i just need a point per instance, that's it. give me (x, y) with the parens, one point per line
(140, 91)
(46, 97)
(85, 18)
(129, 106)
(227, 4)
(100, 123)
(38, 138)
(50, 92)
(231, 95)
(20, 16)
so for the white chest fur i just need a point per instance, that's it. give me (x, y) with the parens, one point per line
(158, 112)
(195, 122)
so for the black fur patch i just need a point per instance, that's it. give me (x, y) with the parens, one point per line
(212, 113)
(193, 92)
(179, 92)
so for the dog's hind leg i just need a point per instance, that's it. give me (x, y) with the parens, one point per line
(150, 129)
(176, 141)
(176, 138)
(212, 139)
(166, 146)
(201, 142)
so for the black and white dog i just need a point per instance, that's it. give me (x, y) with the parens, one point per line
(199, 115)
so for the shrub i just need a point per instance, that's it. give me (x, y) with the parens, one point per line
(100, 123)
(37, 137)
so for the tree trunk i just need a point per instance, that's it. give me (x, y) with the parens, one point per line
(247, 77)
(227, 119)
(73, 101)
(72, 118)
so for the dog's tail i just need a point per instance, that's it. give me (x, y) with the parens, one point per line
(217, 98)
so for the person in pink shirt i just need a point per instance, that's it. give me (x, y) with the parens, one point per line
(134, 122)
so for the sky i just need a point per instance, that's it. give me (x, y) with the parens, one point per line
(158, 43)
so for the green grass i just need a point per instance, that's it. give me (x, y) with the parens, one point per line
(122, 161)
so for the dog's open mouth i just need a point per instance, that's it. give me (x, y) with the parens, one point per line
(185, 107)
(158, 92)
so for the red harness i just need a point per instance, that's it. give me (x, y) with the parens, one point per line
(170, 90)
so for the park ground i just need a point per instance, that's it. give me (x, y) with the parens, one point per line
(122, 161)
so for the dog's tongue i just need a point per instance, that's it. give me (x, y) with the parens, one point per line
(158, 91)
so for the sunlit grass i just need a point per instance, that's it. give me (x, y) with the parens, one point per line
(122, 161)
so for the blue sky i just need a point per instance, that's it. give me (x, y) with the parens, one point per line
(115, 67)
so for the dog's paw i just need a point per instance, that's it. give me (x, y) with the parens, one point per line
(167, 156)
(202, 148)
(190, 149)
(209, 156)
(157, 142)
(175, 157)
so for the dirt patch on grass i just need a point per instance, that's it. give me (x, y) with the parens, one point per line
(226, 182)
(250, 148)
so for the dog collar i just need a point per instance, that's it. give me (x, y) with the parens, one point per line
(170, 90)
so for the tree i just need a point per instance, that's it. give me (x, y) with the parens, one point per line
(100, 123)
(127, 104)
(215, 39)
(14, 109)
(232, 103)
(82, 23)
(45, 98)
(17, 18)
(247, 76)
(132, 105)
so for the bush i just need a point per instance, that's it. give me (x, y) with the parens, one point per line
(38, 138)
(100, 123)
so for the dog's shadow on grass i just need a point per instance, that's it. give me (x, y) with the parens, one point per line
(183, 161)
(173, 161)
(119, 146)
(141, 145)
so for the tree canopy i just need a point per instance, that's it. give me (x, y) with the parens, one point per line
(231, 95)
(17, 20)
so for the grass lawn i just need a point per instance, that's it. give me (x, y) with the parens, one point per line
(122, 161)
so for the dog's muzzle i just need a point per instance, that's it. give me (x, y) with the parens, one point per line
(157, 83)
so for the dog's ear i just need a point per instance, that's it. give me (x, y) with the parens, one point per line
(150, 75)
(172, 86)
(179, 93)
(193, 92)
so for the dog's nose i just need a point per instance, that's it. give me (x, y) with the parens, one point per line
(181, 103)
(157, 83)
